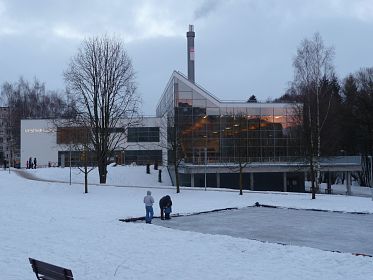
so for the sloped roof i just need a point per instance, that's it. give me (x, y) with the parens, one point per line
(215, 100)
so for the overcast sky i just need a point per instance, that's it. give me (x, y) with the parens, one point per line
(242, 47)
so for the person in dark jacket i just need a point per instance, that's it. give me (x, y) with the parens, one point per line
(165, 204)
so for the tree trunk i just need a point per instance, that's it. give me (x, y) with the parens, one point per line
(102, 170)
(318, 167)
(176, 161)
(177, 182)
(103, 177)
(241, 181)
(85, 179)
(85, 170)
(312, 174)
(311, 153)
(313, 187)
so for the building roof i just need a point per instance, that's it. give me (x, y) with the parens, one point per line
(215, 100)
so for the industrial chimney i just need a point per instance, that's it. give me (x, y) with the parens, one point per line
(190, 37)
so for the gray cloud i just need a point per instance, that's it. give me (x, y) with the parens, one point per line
(243, 47)
(206, 8)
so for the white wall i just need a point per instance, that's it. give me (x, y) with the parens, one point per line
(38, 139)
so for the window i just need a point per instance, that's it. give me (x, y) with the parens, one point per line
(71, 135)
(116, 130)
(76, 158)
(143, 134)
(143, 156)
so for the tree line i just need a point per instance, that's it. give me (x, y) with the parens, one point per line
(336, 114)
(30, 100)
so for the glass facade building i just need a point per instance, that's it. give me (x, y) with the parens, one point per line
(210, 131)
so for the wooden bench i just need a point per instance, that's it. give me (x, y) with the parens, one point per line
(46, 271)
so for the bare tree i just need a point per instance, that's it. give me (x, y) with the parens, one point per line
(101, 81)
(177, 158)
(29, 100)
(238, 138)
(76, 140)
(171, 139)
(312, 64)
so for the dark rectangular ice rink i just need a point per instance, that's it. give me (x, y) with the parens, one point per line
(332, 231)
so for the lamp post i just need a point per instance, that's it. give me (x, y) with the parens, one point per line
(371, 172)
(205, 117)
(70, 163)
(10, 154)
(205, 167)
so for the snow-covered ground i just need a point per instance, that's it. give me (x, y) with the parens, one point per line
(129, 175)
(58, 223)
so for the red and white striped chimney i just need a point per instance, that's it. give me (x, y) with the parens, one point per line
(190, 45)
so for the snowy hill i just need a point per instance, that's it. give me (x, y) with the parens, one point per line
(59, 224)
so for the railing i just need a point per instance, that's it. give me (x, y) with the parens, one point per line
(279, 160)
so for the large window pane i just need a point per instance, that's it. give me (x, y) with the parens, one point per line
(143, 134)
(143, 156)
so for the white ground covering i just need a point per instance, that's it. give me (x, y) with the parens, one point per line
(128, 175)
(58, 223)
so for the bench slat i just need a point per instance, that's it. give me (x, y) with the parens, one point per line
(51, 271)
